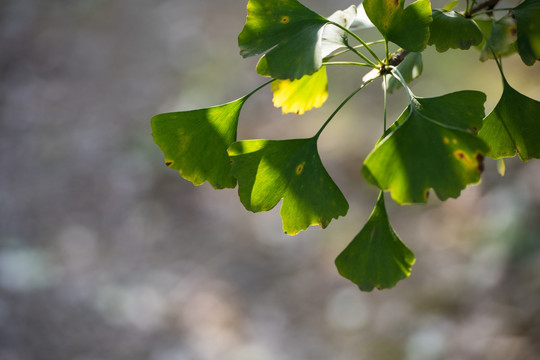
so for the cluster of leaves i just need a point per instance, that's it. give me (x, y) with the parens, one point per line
(436, 143)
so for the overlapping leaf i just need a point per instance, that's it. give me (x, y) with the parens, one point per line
(195, 142)
(301, 95)
(451, 30)
(333, 37)
(408, 27)
(271, 170)
(527, 16)
(289, 31)
(376, 258)
(513, 126)
(432, 145)
(501, 37)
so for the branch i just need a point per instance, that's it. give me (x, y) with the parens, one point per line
(397, 58)
(488, 4)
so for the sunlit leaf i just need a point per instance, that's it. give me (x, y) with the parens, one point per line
(501, 40)
(408, 27)
(195, 142)
(376, 258)
(527, 16)
(334, 38)
(271, 170)
(451, 5)
(432, 145)
(299, 96)
(410, 68)
(451, 30)
(513, 126)
(361, 20)
(289, 31)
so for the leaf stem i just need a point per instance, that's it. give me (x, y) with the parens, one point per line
(358, 38)
(395, 72)
(385, 88)
(364, 84)
(490, 11)
(257, 89)
(365, 58)
(346, 63)
(356, 47)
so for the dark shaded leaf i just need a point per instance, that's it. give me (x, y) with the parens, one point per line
(527, 16)
(451, 30)
(513, 126)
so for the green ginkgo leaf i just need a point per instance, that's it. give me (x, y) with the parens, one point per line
(408, 27)
(410, 68)
(195, 142)
(513, 126)
(527, 16)
(376, 258)
(271, 170)
(451, 30)
(289, 31)
(501, 40)
(301, 95)
(432, 145)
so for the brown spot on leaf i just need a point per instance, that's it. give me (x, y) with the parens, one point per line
(285, 20)
(168, 163)
(480, 158)
(300, 168)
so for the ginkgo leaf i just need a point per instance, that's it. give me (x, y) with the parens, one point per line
(501, 40)
(271, 170)
(513, 126)
(361, 20)
(195, 142)
(432, 145)
(289, 31)
(410, 68)
(333, 37)
(299, 96)
(408, 27)
(527, 16)
(451, 30)
(376, 258)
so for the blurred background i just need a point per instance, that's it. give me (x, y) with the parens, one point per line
(105, 253)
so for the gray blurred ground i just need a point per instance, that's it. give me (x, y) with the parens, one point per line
(107, 254)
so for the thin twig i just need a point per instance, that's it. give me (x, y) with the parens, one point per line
(488, 4)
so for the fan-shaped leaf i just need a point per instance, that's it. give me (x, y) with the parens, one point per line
(501, 40)
(451, 30)
(513, 126)
(290, 31)
(269, 170)
(195, 142)
(376, 258)
(527, 16)
(432, 145)
(409, 27)
(299, 96)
